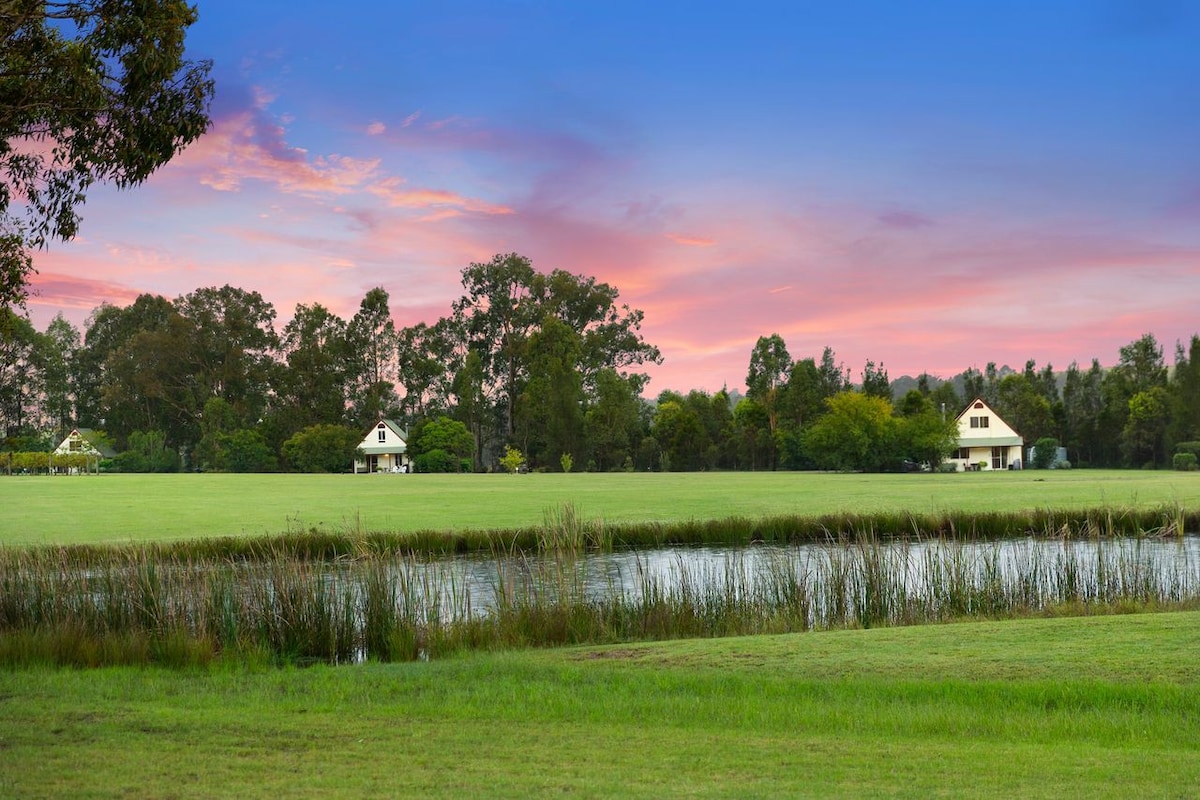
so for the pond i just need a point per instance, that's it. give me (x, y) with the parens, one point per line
(398, 607)
(1049, 568)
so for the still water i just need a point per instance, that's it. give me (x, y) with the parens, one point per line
(475, 584)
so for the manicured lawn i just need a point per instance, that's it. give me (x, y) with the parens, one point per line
(1055, 708)
(123, 508)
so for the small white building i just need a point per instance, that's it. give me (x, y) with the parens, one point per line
(985, 441)
(88, 443)
(384, 449)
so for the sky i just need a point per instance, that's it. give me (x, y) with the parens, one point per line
(932, 186)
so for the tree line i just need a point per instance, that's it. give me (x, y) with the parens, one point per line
(546, 364)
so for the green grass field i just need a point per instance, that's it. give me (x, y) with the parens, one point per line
(124, 508)
(1051, 708)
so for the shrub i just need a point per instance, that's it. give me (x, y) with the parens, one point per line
(447, 441)
(246, 451)
(148, 452)
(438, 460)
(322, 448)
(1045, 452)
(513, 460)
(1188, 447)
(1185, 462)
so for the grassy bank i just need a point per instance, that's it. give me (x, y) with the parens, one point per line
(125, 508)
(1087, 707)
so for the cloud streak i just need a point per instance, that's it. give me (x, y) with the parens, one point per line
(882, 209)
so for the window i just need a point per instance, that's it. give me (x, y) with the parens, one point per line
(963, 453)
(979, 422)
(383, 434)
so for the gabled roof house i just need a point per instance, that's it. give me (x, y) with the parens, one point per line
(86, 442)
(383, 449)
(985, 441)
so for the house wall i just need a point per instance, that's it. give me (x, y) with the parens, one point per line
(980, 422)
(994, 425)
(394, 457)
(384, 462)
(1011, 456)
(74, 443)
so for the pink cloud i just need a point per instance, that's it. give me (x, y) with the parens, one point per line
(393, 192)
(691, 241)
(52, 290)
(248, 146)
(895, 287)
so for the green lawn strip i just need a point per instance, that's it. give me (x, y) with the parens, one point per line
(1087, 707)
(124, 508)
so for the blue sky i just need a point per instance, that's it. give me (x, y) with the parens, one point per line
(932, 185)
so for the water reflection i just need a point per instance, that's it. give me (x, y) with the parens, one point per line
(915, 565)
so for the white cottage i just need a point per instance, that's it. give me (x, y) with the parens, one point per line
(384, 449)
(985, 441)
(86, 442)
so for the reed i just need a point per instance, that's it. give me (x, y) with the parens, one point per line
(564, 528)
(331, 602)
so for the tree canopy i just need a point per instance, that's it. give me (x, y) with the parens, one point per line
(91, 91)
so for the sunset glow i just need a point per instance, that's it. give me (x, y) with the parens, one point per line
(930, 186)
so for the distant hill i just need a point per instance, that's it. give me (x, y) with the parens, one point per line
(905, 383)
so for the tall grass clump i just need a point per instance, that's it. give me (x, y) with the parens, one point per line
(348, 600)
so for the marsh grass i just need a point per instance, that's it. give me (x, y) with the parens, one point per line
(564, 529)
(310, 597)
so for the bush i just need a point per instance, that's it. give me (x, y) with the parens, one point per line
(513, 460)
(1185, 462)
(449, 439)
(1188, 447)
(1045, 452)
(322, 448)
(438, 460)
(246, 451)
(148, 452)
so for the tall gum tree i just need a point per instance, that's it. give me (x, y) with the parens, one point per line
(505, 302)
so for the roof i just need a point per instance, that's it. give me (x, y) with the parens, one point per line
(380, 449)
(396, 427)
(95, 439)
(998, 434)
(397, 441)
(999, 441)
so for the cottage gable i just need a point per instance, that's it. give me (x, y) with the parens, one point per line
(985, 440)
(384, 448)
(84, 441)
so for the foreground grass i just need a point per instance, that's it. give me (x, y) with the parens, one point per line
(125, 508)
(1085, 707)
